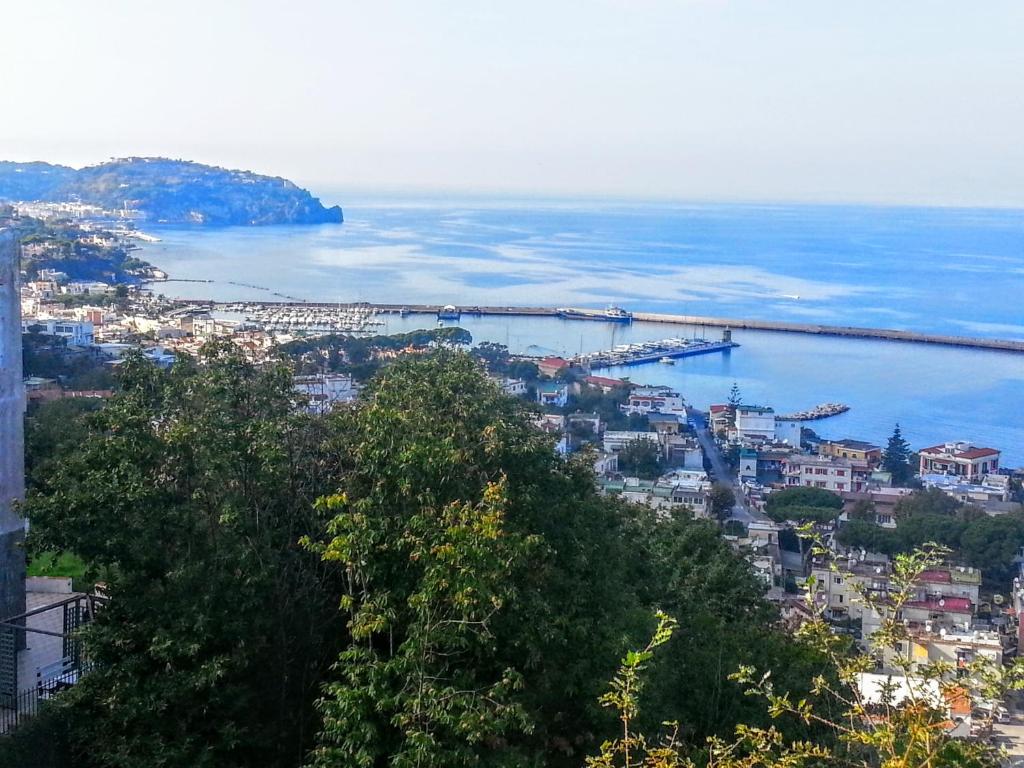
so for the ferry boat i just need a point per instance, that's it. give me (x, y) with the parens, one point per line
(448, 312)
(611, 314)
(667, 361)
(618, 315)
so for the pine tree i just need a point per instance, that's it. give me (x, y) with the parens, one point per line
(735, 398)
(896, 457)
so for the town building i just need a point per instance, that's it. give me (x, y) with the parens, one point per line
(832, 474)
(616, 440)
(513, 387)
(325, 390)
(552, 366)
(554, 395)
(605, 384)
(982, 490)
(851, 449)
(645, 400)
(755, 422)
(76, 332)
(959, 458)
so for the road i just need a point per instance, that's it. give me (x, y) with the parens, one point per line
(720, 469)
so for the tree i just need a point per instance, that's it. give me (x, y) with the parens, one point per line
(896, 458)
(641, 458)
(722, 500)
(692, 574)
(188, 497)
(735, 398)
(802, 496)
(485, 579)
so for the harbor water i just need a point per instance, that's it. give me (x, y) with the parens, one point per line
(949, 271)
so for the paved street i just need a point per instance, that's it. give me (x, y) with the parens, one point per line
(720, 469)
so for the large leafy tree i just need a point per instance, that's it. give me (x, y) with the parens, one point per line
(641, 458)
(188, 498)
(487, 585)
(724, 623)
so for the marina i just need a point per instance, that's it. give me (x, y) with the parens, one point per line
(454, 312)
(309, 320)
(664, 351)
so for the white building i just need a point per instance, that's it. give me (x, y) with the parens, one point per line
(788, 431)
(82, 287)
(644, 400)
(755, 422)
(830, 473)
(514, 387)
(959, 458)
(76, 332)
(556, 395)
(615, 441)
(326, 390)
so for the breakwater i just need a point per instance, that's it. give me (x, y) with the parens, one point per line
(592, 315)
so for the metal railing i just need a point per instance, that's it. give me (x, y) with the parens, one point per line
(27, 703)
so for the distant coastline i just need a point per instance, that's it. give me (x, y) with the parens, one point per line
(162, 191)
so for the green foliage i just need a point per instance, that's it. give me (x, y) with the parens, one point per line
(907, 731)
(692, 574)
(48, 357)
(483, 574)
(723, 499)
(188, 497)
(470, 587)
(363, 357)
(973, 537)
(804, 505)
(803, 496)
(52, 429)
(641, 458)
(607, 406)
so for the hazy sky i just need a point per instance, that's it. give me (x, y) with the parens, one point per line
(916, 101)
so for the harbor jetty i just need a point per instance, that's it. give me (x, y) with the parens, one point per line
(595, 315)
(822, 411)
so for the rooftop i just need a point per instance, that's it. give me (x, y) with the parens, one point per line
(959, 450)
(854, 445)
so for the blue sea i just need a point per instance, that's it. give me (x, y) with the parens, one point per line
(955, 271)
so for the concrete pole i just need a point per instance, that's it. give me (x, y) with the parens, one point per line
(12, 436)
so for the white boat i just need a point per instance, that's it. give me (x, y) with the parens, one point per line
(667, 361)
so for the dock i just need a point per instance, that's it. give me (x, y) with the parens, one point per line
(652, 352)
(593, 315)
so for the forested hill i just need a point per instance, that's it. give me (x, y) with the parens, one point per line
(169, 191)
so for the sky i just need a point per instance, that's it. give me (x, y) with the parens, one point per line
(908, 102)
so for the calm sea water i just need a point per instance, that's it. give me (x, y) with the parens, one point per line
(944, 270)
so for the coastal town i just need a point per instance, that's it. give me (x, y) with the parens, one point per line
(764, 478)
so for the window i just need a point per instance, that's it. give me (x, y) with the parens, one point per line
(839, 598)
(839, 579)
(840, 473)
(840, 486)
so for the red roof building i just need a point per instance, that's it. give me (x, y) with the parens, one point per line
(605, 384)
(552, 366)
(959, 459)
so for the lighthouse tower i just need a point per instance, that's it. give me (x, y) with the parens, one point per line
(12, 438)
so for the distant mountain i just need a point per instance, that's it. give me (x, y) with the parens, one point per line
(169, 191)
